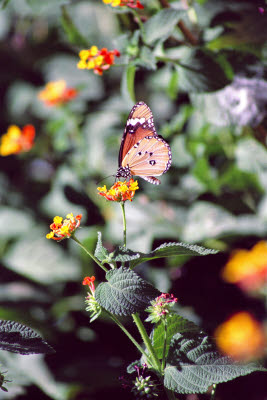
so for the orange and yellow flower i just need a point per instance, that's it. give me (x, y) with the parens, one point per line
(241, 337)
(120, 191)
(98, 60)
(57, 93)
(248, 268)
(64, 229)
(17, 140)
(122, 3)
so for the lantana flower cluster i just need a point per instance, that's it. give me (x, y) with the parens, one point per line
(248, 268)
(64, 229)
(17, 140)
(122, 3)
(241, 337)
(56, 93)
(120, 191)
(161, 307)
(92, 305)
(98, 60)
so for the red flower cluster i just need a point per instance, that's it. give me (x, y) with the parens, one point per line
(120, 191)
(90, 282)
(57, 93)
(17, 140)
(98, 60)
(122, 3)
(64, 229)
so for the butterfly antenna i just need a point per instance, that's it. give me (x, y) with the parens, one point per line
(105, 178)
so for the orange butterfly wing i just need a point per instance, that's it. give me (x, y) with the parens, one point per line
(139, 124)
(143, 152)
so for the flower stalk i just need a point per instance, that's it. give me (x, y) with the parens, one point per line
(73, 237)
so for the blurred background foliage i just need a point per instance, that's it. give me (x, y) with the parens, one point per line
(205, 81)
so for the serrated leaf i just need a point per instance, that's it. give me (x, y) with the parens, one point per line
(121, 254)
(172, 249)
(193, 364)
(21, 339)
(199, 72)
(175, 324)
(125, 293)
(161, 25)
(101, 252)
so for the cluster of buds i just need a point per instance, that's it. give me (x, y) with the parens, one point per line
(17, 140)
(98, 60)
(92, 305)
(123, 3)
(56, 93)
(64, 229)
(120, 191)
(161, 307)
(143, 387)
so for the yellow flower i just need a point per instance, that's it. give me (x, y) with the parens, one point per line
(64, 229)
(17, 140)
(56, 93)
(98, 60)
(241, 337)
(120, 191)
(248, 268)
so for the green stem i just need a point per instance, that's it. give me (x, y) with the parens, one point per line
(89, 253)
(163, 362)
(124, 222)
(137, 345)
(147, 342)
(139, 21)
(212, 397)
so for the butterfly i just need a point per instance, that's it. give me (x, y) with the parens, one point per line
(143, 152)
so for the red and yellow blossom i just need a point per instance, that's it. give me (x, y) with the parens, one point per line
(248, 268)
(64, 229)
(92, 305)
(56, 93)
(120, 191)
(17, 140)
(241, 337)
(98, 60)
(122, 3)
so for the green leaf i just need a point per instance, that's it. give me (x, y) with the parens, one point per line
(125, 293)
(161, 25)
(121, 254)
(193, 364)
(199, 72)
(251, 156)
(21, 339)
(203, 172)
(172, 249)
(74, 36)
(146, 59)
(101, 252)
(127, 84)
(175, 324)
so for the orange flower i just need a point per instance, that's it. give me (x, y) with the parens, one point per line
(90, 282)
(56, 93)
(17, 140)
(241, 337)
(121, 3)
(64, 229)
(120, 191)
(248, 268)
(98, 60)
